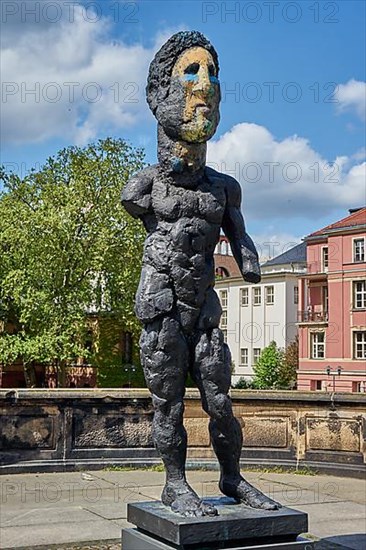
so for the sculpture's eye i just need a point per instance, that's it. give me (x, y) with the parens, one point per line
(212, 74)
(192, 68)
(212, 70)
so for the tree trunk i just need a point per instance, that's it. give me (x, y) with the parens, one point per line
(30, 374)
(61, 374)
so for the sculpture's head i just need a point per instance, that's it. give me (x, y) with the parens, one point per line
(183, 89)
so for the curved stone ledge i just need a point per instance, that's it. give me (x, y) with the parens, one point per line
(191, 394)
(65, 429)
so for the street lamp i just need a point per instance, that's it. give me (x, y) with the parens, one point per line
(130, 369)
(333, 374)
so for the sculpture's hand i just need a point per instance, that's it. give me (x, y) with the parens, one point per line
(250, 269)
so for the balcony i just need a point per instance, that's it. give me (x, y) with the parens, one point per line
(317, 268)
(310, 316)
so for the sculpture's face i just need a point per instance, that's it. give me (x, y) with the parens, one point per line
(191, 110)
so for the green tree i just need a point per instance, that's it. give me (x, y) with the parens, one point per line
(267, 368)
(68, 250)
(289, 366)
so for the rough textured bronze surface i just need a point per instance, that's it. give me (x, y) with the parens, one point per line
(183, 205)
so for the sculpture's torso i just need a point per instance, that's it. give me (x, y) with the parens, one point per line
(178, 266)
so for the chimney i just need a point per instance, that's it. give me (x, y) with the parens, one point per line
(353, 210)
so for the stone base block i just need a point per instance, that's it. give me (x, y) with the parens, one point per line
(132, 539)
(236, 527)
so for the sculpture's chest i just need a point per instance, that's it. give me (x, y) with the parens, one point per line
(170, 202)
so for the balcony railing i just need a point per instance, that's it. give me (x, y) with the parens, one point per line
(312, 316)
(316, 268)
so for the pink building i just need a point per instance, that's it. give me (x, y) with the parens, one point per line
(332, 308)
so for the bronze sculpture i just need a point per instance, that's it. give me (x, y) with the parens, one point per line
(183, 205)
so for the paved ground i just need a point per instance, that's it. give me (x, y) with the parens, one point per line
(69, 509)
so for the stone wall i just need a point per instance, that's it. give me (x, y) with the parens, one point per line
(93, 428)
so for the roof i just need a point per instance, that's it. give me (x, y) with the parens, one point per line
(297, 254)
(355, 219)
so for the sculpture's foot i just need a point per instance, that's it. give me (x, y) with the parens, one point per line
(244, 492)
(184, 501)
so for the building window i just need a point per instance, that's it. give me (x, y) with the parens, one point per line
(244, 296)
(325, 301)
(221, 273)
(224, 248)
(256, 355)
(359, 387)
(223, 298)
(359, 344)
(244, 357)
(257, 296)
(317, 385)
(359, 250)
(269, 295)
(359, 294)
(224, 333)
(224, 319)
(325, 258)
(317, 345)
(296, 294)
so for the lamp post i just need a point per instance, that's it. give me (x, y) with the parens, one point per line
(333, 373)
(130, 369)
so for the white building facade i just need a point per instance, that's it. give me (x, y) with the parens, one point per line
(255, 315)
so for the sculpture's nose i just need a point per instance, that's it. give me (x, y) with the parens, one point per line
(203, 83)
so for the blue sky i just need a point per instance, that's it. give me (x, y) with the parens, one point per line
(293, 86)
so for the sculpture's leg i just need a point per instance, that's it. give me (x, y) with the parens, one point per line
(165, 358)
(211, 372)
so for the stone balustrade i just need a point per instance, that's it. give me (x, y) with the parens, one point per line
(65, 429)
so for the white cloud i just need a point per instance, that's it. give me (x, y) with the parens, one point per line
(352, 97)
(271, 243)
(82, 81)
(286, 179)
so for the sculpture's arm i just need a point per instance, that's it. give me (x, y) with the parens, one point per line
(136, 194)
(242, 246)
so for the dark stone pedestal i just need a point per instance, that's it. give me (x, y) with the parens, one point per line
(237, 527)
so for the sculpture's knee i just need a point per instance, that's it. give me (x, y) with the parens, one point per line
(172, 408)
(218, 406)
(213, 360)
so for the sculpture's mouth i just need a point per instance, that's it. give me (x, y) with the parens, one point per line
(202, 108)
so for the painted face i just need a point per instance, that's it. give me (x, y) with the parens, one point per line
(190, 111)
(196, 71)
